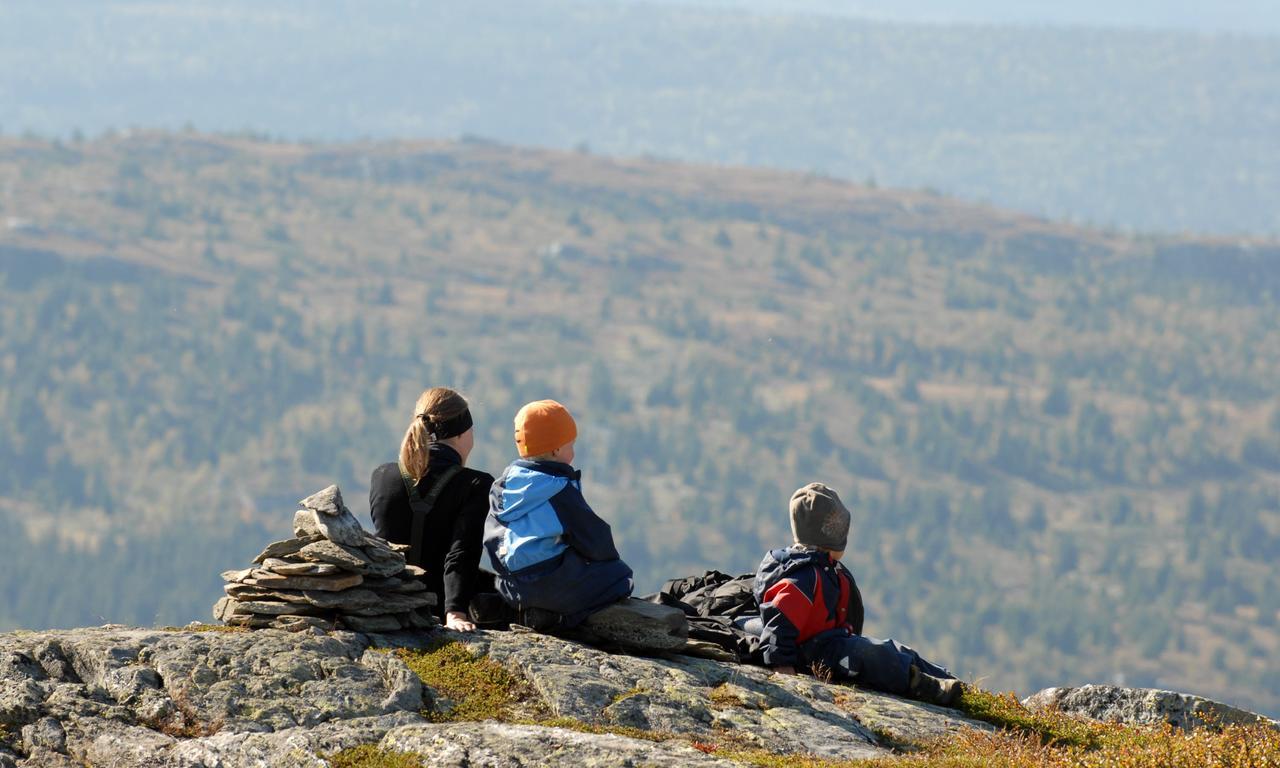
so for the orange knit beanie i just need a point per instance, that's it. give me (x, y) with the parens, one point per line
(543, 426)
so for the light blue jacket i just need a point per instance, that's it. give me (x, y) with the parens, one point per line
(536, 512)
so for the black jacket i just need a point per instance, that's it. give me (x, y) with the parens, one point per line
(454, 531)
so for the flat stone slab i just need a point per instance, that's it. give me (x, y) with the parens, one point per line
(237, 576)
(394, 603)
(288, 568)
(376, 549)
(266, 607)
(343, 556)
(639, 625)
(347, 599)
(260, 578)
(393, 584)
(285, 548)
(1142, 706)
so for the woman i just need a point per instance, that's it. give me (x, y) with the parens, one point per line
(431, 501)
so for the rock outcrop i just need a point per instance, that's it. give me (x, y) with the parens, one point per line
(142, 697)
(332, 574)
(194, 698)
(1141, 706)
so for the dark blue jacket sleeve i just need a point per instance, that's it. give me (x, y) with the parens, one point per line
(779, 637)
(589, 536)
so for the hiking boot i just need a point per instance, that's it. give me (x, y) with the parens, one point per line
(943, 691)
(539, 619)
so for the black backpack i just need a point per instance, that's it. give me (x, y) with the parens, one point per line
(715, 603)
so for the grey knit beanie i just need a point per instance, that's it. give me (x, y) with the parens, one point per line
(818, 518)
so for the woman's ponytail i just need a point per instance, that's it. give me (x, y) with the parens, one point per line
(415, 448)
(437, 404)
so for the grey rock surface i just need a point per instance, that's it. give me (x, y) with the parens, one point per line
(498, 745)
(1141, 706)
(700, 698)
(144, 697)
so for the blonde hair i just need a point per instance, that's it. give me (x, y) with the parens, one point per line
(434, 405)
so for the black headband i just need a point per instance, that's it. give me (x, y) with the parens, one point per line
(443, 430)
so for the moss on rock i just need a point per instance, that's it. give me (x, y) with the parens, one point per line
(473, 687)
(370, 756)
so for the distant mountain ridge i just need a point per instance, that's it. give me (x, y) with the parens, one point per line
(1141, 130)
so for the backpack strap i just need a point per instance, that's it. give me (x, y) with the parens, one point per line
(407, 479)
(421, 508)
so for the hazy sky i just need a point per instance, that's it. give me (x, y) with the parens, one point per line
(1251, 16)
(1150, 129)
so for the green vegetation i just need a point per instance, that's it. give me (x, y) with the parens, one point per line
(1060, 446)
(477, 687)
(369, 756)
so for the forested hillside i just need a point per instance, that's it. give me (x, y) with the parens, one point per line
(1061, 447)
(1142, 129)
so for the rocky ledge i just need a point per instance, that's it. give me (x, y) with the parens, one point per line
(126, 697)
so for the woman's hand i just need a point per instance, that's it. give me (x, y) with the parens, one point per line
(458, 622)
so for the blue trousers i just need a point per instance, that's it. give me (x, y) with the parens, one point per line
(569, 586)
(884, 665)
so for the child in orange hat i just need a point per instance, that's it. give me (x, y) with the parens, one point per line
(555, 558)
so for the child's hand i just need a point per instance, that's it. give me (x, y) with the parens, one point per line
(785, 670)
(458, 622)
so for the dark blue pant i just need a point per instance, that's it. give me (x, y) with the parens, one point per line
(884, 665)
(569, 586)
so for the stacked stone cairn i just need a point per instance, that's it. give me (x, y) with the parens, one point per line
(330, 575)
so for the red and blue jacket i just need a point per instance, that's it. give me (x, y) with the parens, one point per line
(802, 594)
